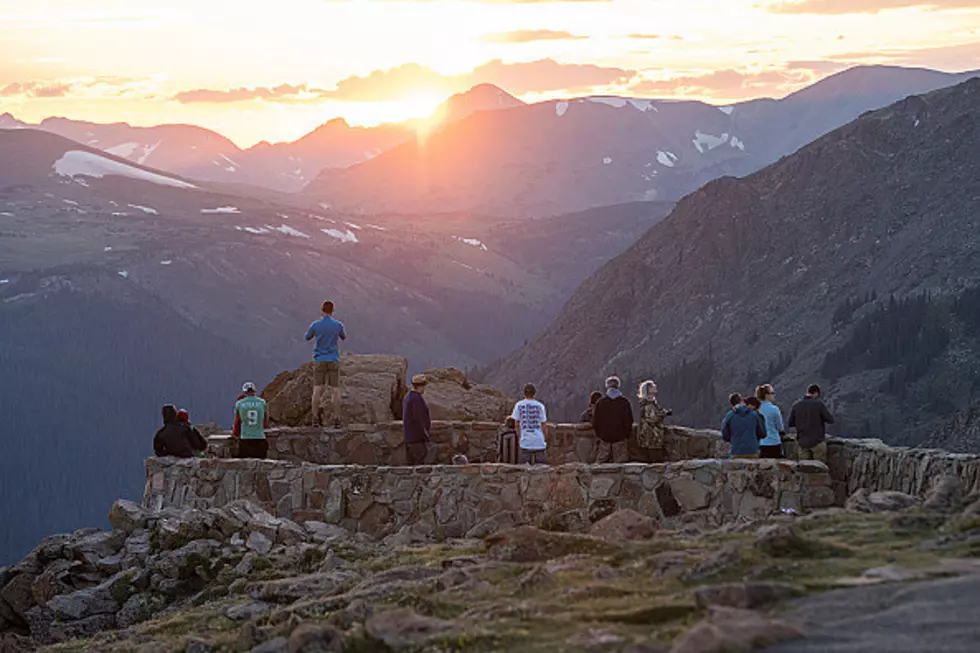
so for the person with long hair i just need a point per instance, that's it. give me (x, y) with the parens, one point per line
(770, 446)
(652, 434)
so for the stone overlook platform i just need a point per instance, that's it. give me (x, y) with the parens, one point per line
(356, 478)
(478, 499)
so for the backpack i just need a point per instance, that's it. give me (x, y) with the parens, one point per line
(507, 447)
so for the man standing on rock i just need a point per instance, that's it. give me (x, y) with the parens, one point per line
(530, 417)
(418, 424)
(810, 416)
(251, 421)
(328, 332)
(612, 420)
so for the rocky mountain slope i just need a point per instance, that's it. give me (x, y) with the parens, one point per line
(560, 156)
(852, 262)
(122, 288)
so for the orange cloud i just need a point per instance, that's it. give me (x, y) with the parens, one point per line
(530, 35)
(866, 6)
(383, 85)
(283, 91)
(731, 83)
(36, 89)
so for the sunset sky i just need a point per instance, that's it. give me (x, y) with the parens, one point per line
(257, 70)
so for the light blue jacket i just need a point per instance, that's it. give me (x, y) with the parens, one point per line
(774, 424)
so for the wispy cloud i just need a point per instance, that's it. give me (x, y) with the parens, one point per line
(36, 89)
(530, 35)
(865, 6)
(539, 76)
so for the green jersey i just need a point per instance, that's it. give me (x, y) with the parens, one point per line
(251, 411)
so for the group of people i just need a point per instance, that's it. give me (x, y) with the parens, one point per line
(754, 426)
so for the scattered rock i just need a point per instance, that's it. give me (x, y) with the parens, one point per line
(247, 611)
(259, 543)
(728, 630)
(728, 556)
(743, 595)
(356, 612)
(536, 579)
(310, 638)
(624, 525)
(403, 629)
(783, 541)
(195, 645)
(326, 533)
(864, 501)
(277, 645)
(127, 516)
(529, 544)
(595, 638)
(946, 495)
(288, 590)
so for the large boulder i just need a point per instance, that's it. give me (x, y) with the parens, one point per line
(453, 397)
(371, 391)
(624, 524)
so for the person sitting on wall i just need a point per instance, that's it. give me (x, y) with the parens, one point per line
(184, 417)
(652, 434)
(176, 438)
(417, 422)
(530, 416)
(743, 427)
(613, 424)
(810, 417)
(251, 421)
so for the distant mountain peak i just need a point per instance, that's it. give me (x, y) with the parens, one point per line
(482, 97)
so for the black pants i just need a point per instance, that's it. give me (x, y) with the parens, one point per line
(770, 451)
(415, 452)
(253, 448)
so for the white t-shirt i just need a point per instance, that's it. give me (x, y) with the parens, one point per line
(530, 414)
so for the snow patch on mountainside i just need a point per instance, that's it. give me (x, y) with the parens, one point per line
(89, 164)
(737, 142)
(222, 209)
(125, 150)
(727, 110)
(147, 151)
(145, 209)
(666, 158)
(343, 236)
(561, 108)
(702, 140)
(289, 231)
(472, 242)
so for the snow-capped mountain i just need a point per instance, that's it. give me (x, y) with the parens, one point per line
(559, 156)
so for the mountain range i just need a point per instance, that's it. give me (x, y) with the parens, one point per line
(852, 263)
(128, 280)
(554, 157)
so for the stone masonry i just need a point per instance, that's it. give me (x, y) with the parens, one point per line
(381, 444)
(477, 499)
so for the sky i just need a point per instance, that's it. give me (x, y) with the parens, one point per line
(258, 70)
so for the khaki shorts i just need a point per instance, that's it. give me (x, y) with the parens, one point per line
(327, 373)
(819, 452)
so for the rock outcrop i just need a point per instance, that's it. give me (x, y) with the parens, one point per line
(371, 391)
(453, 397)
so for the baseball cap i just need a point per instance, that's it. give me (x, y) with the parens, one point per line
(248, 387)
(420, 379)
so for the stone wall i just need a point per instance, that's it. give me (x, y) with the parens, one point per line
(474, 500)
(873, 465)
(381, 444)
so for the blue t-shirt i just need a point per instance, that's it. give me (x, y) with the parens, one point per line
(327, 332)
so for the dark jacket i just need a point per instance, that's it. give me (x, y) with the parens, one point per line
(743, 427)
(178, 440)
(612, 419)
(809, 415)
(415, 415)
